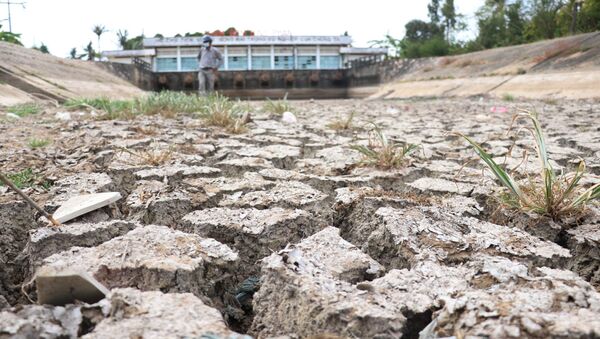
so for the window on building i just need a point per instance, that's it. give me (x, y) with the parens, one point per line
(166, 64)
(261, 62)
(330, 62)
(237, 62)
(189, 64)
(284, 62)
(307, 62)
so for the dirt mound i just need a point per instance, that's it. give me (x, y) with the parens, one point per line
(560, 68)
(26, 74)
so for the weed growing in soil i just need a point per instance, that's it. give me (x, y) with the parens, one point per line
(382, 152)
(153, 157)
(278, 107)
(551, 195)
(38, 143)
(219, 111)
(342, 124)
(24, 110)
(27, 178)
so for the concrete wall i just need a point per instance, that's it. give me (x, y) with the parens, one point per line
(138, 76)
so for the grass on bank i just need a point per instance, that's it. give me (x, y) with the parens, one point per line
(382, 152)
(550, 194)
(214, 109)
(24, 110)
(27, 178)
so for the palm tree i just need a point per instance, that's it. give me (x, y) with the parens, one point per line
(122, 36)
(98, 30)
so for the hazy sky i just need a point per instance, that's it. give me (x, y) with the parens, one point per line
(64, 24)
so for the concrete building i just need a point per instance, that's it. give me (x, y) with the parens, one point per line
(250, 53)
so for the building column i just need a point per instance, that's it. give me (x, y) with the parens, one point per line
(318, 56)
(249, 58)
(295, 57)
(226, 59)
(272, 57)
(178, 59)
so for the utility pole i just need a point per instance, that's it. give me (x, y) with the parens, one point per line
(8, 4)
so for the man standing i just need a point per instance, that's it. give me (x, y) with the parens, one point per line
(210, 59)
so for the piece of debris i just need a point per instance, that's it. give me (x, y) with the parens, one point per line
(82, 204)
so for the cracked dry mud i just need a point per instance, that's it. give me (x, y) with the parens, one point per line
(278, 233)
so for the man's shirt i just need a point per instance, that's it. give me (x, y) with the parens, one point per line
(210, 58)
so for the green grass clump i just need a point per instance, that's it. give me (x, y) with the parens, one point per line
(552, 195)
(167, 104)
(382, 152)
(342, 124)
(37, 143)
(508, 97)
(24, 110)
(27, 178)
(278, 107)
(219, 111)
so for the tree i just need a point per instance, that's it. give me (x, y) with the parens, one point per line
(231, 31)
(419, 30)
(122, 37)
(543, 23)
(516, 21)
(434, 11)
(590, 16)
(248, 33)
(73, 53)
(99, 30)
(492, 24)
(12, 38)
(450, 17)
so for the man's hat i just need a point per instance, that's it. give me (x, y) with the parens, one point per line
(207, 39)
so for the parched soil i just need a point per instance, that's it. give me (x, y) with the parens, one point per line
(279, 232)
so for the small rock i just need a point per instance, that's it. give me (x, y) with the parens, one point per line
(64, 116)
(289, 118)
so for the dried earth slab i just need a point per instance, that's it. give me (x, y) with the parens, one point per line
(546, 303)
(253, 233)
(290, 194)
(136, 314)
(401, 237)
(45, 241)
(155, 202)
(154, 258)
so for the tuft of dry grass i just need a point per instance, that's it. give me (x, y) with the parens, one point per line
(152, 156)
(221, 112)
(382, 152)
(342, 124)
(550, 194)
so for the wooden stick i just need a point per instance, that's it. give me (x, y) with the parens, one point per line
(31, 203)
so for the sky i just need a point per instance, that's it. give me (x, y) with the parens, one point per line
(64, 24)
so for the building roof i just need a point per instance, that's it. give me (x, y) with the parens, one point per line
(338, 40)
(129, 53)
(363, 50)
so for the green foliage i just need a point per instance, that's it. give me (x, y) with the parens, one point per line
(433, 47)
(551, 195)
(27, 178)
(508, 97)
(12, 38)
(24, 110)
(382, 152)
(43, 48)
(278, 107)
(37, 143)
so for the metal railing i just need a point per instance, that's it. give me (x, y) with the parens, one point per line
(142, 64)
